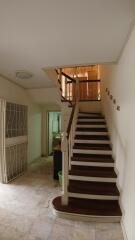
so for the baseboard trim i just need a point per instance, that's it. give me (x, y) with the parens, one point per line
(85, 218)
(124, 231)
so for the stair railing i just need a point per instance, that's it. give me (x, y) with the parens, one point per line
(66, 86)
(67, 148)
(88, 90)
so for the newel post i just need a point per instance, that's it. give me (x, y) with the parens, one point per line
(64, 147)
(60, 75)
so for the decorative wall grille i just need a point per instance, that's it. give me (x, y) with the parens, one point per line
(16, 120)
(16, 160)
(15, 142)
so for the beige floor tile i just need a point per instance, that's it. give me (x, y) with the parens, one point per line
(41, 229)
(61, 231)
(108, 235)
(84, 231)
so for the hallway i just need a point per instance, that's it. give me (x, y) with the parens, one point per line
(26, 212)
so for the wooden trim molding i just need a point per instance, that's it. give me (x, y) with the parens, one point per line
(64, 74)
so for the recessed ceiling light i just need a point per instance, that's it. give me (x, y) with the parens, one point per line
(23, 74)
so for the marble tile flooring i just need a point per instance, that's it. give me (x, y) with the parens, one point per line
(25, 211)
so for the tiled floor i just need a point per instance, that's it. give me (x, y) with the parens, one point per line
(25, 211)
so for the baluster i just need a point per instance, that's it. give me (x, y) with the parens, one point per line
(70, 91)
(70, 156)
(72, 141)
(60, 76)
(60, 84)
(77, 90)
(64, 147)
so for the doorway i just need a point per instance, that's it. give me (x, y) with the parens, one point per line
(54, 130)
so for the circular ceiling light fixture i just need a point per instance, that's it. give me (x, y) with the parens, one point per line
(22, 74)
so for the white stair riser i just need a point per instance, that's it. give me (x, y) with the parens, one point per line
(91, 179)
(87, 218)
(91, 126)
(93, 113)
(92, 141)
(89, 115)
(86, 151)
(91, 196)
(92, 133)
(90, 120)
(92, 164)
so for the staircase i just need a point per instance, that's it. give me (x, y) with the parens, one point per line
(91, 190)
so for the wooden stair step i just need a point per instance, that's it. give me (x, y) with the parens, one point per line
(91, 129)
(93, 188)
(90, 123)
(88, 171)
(91, 117)
(92, 120)
(92, 137)
(90, 146)
(88, 207)
(92, 158)
(91, 113)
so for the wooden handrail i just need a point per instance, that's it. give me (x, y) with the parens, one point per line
(70, 120)
(59, 81)
(83, 81)
(67, 76)
(56, 71)
(69, 81)
(63, 99)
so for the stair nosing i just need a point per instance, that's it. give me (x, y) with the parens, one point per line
(92, 164)
(108, 189)
(111, 211)
(91, 179)
(92, 196)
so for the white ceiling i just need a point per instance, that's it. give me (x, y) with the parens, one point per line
(36, 34)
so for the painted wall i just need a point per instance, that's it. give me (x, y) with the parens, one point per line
(13, 93)
(34, 130)
(120, 80)
(45, 95)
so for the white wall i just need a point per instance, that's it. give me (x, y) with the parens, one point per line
(45, 95)
(50, 100)
(34, 131)
(120, 80)
(13, 93)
